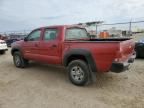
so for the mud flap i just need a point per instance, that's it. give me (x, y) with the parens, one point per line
(93, 76)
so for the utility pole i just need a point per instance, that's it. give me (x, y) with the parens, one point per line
(96, 30)
(130, 25)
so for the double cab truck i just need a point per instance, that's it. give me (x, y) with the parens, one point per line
(71, 46)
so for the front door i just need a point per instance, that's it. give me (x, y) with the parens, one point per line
(31, 45)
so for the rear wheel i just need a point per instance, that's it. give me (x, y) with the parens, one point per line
(19, 61)
(78, 72)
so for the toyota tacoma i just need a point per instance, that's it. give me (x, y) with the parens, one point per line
(70, 46)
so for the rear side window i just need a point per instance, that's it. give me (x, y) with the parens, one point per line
(76, 33)
(50, 34)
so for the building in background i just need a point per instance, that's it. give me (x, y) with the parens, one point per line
(16, 36)
(3, 37)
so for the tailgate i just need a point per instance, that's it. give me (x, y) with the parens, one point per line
(127, 49)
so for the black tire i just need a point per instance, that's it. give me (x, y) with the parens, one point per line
(137, 54)
(78, 72)
(2, 52)
(19, 61)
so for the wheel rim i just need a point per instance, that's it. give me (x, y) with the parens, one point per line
(77, 73)
(17, 60)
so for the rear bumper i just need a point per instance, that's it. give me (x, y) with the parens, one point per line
(121, 67)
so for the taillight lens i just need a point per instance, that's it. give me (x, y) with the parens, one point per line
(118, 56)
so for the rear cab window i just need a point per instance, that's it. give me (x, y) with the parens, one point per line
(76, 33)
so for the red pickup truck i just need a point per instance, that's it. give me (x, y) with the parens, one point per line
(71, 46)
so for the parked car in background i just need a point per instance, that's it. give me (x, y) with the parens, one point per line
(139, 48)
(3, 46)
(10, 41)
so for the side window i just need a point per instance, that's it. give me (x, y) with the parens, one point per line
(50, 34)
(34, 36)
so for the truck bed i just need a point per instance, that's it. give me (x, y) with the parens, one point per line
(101, 40)
(104, 51)
(110, 39)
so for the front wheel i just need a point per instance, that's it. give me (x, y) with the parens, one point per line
(78, 72)
(19, 61)
(2, 52)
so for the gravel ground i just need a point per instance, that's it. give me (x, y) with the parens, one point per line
(45, 86)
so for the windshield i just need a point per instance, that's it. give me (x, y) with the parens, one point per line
(76, 33)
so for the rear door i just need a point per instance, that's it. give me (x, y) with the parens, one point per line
(50, 48)
(31, 46)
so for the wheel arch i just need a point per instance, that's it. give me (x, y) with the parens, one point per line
(15, 50)
(81, 54)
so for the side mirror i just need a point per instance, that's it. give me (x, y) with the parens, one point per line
(25, 39)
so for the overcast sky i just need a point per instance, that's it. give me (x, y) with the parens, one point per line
(28, 14)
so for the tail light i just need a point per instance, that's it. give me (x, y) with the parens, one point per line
(118, 55)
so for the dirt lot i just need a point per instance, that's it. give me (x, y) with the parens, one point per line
(43, 86)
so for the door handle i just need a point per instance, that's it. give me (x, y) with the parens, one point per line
(53, 46)
(36, 45)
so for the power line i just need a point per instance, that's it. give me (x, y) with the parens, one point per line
(124, 23)
(120, 23)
